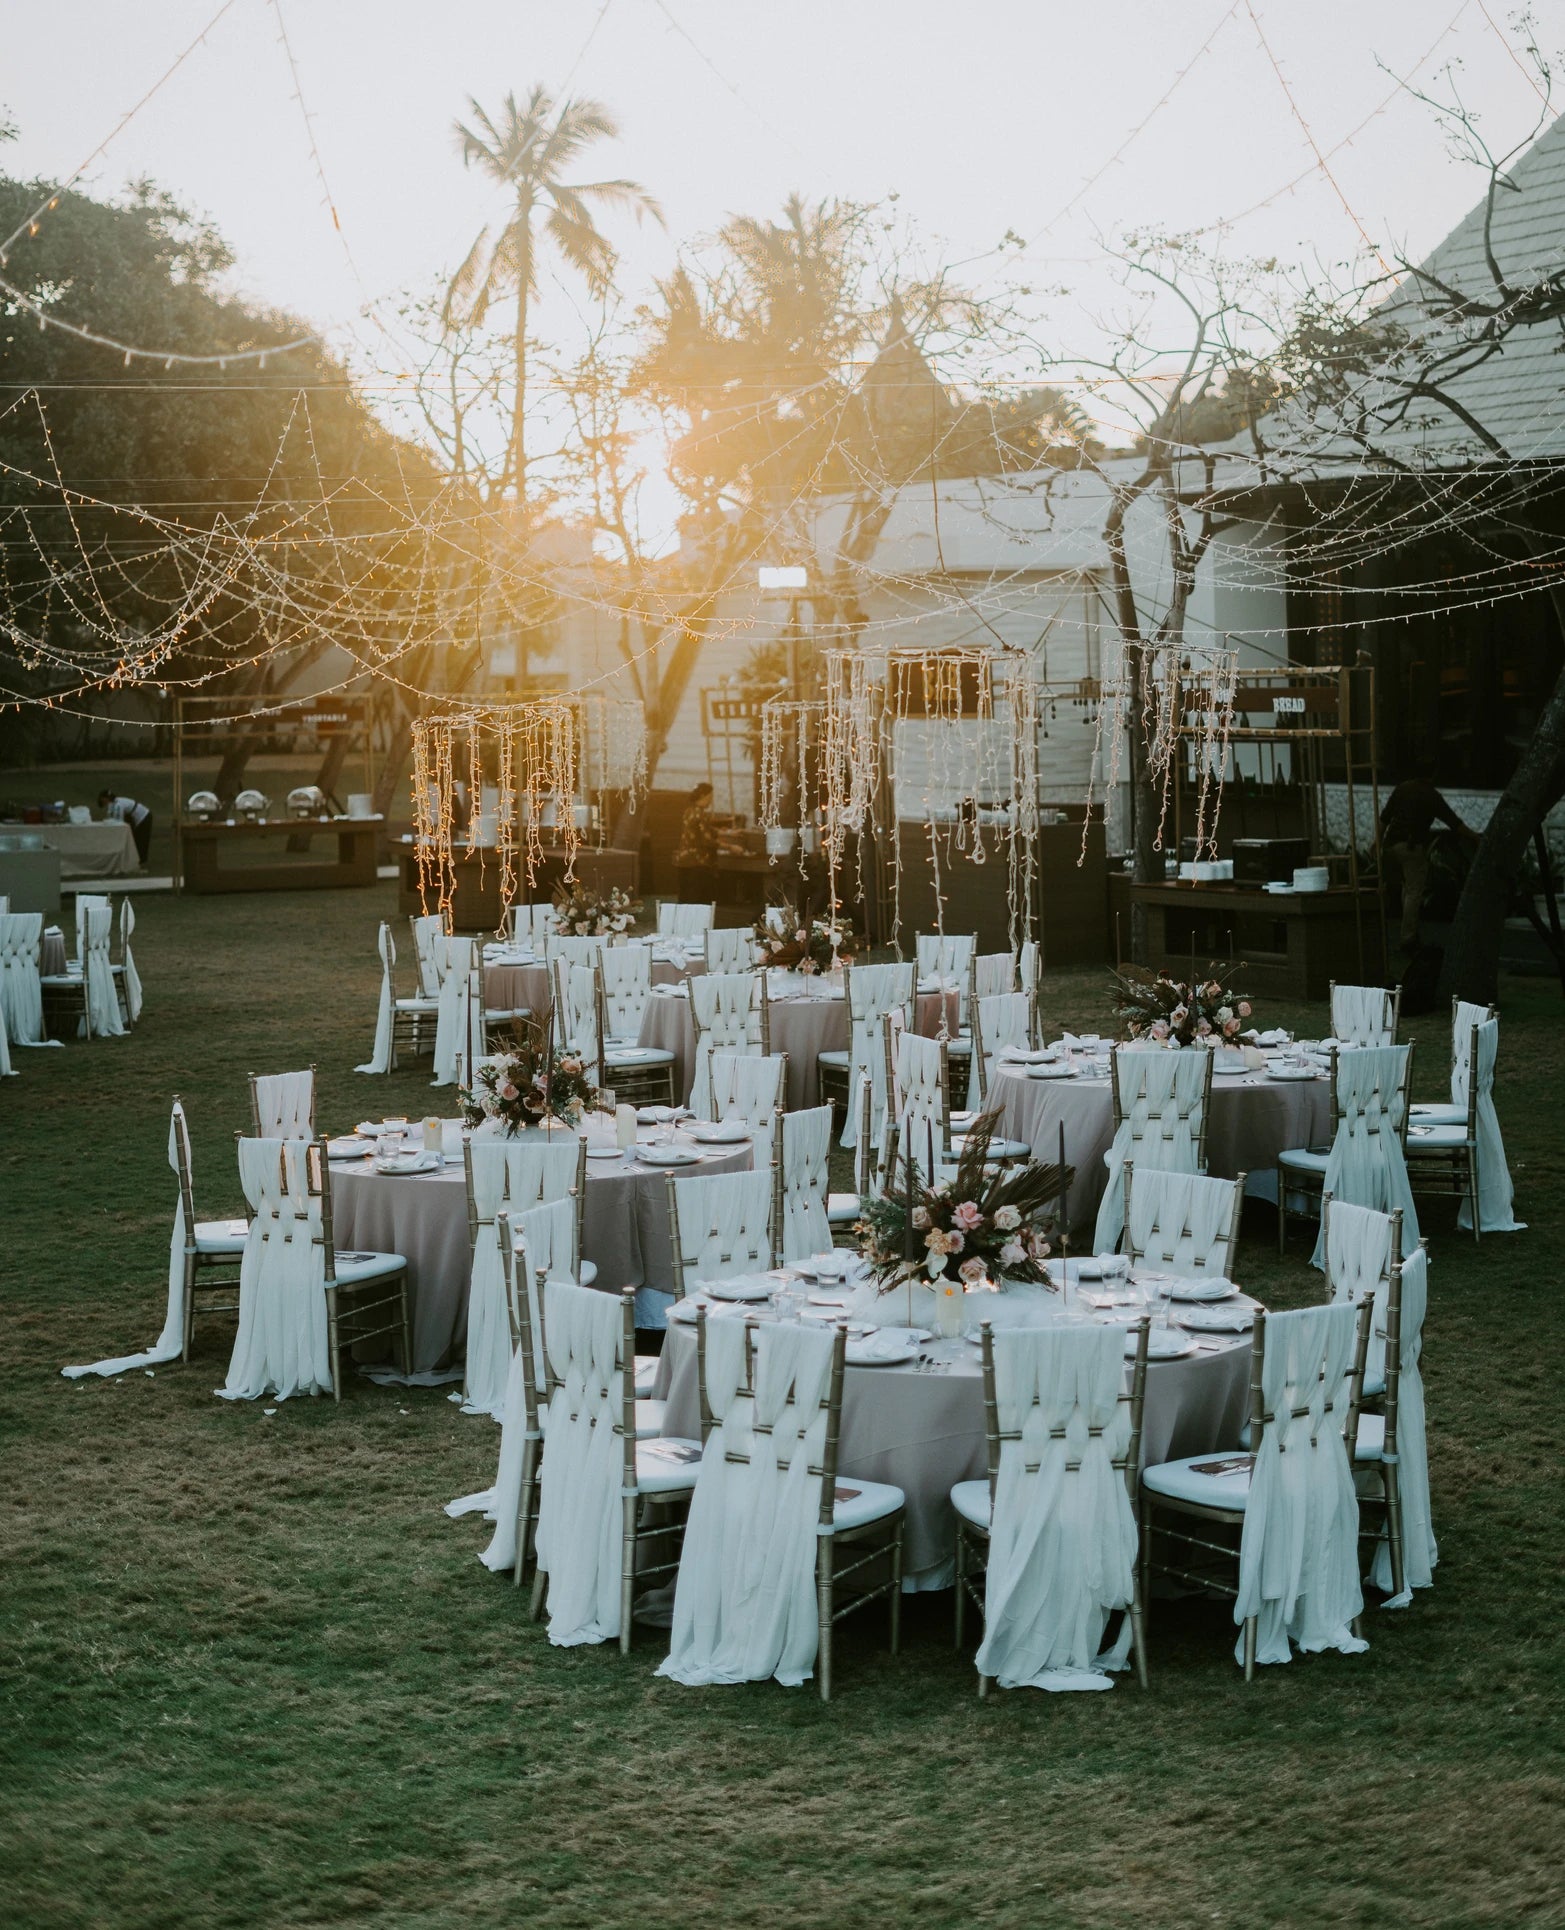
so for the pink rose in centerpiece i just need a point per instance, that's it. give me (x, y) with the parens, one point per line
(921, 1216)
(938, 1242)
(1160, 1028)
(1007, 1219)
(1178, 1016)
(1013, 1253)
(570, 1067)
(1244, 1008)
(968, 1216)
(972, 1270)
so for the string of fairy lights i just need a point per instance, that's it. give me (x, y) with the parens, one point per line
(274, 581)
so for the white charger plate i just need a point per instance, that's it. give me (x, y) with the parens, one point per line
(1197, 1291)
(1163, 1343)
(668, 1155)
(1217, 1320)
(1051, 1072)
(1290, 1074)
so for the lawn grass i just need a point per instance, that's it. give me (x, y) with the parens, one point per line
(251, 1674)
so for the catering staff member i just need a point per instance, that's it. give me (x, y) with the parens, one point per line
(129, 811)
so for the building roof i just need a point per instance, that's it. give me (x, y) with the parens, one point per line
(1518, 394)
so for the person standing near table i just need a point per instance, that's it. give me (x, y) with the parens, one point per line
(128, 810)
(1407, 823)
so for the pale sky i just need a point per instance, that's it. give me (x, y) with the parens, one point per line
(983, 117)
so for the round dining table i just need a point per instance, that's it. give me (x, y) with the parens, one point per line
(516, 979)
(423, 1216)
(805, 1016)
(921, 1427)
(1254, 1118)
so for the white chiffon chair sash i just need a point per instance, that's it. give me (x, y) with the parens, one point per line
(488, 1320)
(1161, 1094)
(1358, 1266)
(725, 1224)
(1419, 1549)
(21, 995)
(744, 1604)
(921, 1103)
(1361, 1015)
(626, 974)
(170, 1343)
(128, 962)
(1004, 1020)
(728, 950)
(285, 1104)
(580, 1546)
(1495, 1192)
(1180, 1220)
(453, 961)
(722, 1014)
(872, 992)
(1366, 1166)
(86, 901)
(750, 1088)
(380, 1058)
(1298, 1555)
(427, 931)
(98, 987)
(282, 1346)
(1062, 1543)
(806, 1149)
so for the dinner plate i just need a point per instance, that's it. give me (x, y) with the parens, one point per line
(1213, 1287)
(353, 1146)
(720, 1133)
(1217, 1320)
(743, 1286)
(1291, 1074)
(1229, 1072)
(827, 1297)
(1163, 1343)
(829, 1268)
(881, 1350)
(1051, 1071)
(604, 1152)
(1009, 1056)
(373, 1128)
(668, 1155)
(1086, 1267)
(405, 1163)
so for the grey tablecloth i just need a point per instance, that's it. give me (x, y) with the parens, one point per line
(424, 1218)
(925, 1432)
(508, 988)
(1254, 1118)
(92, 850)
(801, 1027)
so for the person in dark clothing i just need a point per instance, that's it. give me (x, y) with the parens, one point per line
(129, 811)
(1407, 822)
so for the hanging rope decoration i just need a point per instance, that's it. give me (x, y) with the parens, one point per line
(788, 779)
(522, 756)
(939, 737)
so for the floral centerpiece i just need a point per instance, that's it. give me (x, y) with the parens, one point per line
(582, 912)
(984, 1223)
(529, 1084)
(802, 944)
(1169, 1011)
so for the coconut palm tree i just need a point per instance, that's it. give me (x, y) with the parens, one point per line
(527, 150)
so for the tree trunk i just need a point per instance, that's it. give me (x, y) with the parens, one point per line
(1471, 969)
(519, 408)
(1472, 959)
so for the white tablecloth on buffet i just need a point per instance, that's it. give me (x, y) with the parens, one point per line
(91, 850)
(424, 1218)
(1254, 1118)
(924, 1431)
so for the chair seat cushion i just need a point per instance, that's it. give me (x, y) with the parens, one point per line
(1431, 1137)
(842, 1209)
(65, 981)
(221, 1236)
(1371, 1442)
(649, 1419)
(416, 1005)
(491, 1017)
(1219, 1479)
(858, 1503)
(1305, 1159)
(1433, 1115)
(971, 1501)
(667, 1465)
(646, 1374)
(833, 1060)
(355, 1268)
(638, 1055)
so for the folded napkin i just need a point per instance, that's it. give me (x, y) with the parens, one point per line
(723, 1132)
(886, 1343)
(741, 1286)
(1278, 1035)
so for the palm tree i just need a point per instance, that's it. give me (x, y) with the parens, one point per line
(527, 152)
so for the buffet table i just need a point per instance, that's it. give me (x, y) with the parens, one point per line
(106, 850)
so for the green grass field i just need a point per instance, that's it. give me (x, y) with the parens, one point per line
(252, 1675)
